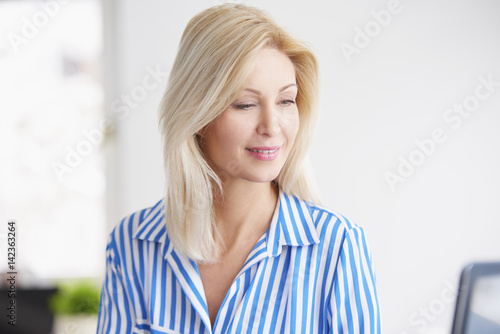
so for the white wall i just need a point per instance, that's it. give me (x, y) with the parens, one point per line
(393, 92)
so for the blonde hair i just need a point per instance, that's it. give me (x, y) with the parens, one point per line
(215, 57)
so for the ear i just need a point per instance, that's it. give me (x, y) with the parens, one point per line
(201, 132)
(199, 136)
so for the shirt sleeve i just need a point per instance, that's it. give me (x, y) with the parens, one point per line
(116, 313)
(354, 303)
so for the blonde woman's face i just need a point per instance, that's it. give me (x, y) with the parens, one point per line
(252, 138)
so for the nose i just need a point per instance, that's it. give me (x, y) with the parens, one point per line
(268, 121)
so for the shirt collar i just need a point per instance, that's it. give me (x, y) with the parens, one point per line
(292, 225)
(152, 225)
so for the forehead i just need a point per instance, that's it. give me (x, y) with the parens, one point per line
(272, 67)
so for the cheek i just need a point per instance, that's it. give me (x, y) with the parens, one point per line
(292, 127)
(228, 136)
(233, 128)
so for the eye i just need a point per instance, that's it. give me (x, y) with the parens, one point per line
(244, 106)
(287, 102)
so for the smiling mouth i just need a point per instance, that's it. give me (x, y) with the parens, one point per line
(262, 151)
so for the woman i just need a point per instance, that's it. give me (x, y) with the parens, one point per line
(237, 245)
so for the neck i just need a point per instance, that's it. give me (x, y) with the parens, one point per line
(244, 212)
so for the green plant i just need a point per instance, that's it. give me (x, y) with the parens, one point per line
(75, 298)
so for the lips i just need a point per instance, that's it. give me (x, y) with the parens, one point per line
(264, 153)
(264, 149)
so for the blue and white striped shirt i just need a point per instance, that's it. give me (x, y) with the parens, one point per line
(311, 272)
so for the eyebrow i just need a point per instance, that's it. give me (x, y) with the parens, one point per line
(281, 89)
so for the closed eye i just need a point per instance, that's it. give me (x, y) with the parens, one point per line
(244, 106)
(287, 102)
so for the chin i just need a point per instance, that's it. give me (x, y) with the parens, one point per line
(262, 178)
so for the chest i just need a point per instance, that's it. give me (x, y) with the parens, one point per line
(217, 278)
(267, 295)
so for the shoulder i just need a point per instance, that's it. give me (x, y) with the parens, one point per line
(144, 224)
(341, 239)
(312, 223)
(321, 214)
(334, 227)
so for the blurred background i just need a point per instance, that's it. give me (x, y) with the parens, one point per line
(407, 144)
